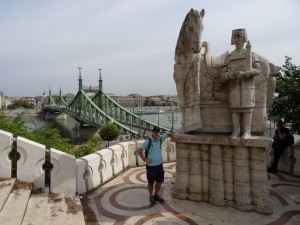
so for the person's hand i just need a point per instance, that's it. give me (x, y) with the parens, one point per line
(148, 161)
(240, 74)
(173, 136)
(231, 75)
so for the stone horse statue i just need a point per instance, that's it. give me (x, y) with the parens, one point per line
(202, 93)
(187, 69)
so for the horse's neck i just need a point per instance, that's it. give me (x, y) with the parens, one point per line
(185, 58)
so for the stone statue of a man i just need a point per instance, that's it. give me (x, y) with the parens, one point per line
(239, 70)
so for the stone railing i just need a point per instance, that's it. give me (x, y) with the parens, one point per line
(70, 175)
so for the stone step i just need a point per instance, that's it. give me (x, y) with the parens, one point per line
(36, 211)
(19, 205)
(57, 209)
(74, 213)
(14, 208)
(5, 188)
(49, 208)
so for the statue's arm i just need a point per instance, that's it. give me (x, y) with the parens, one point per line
(254, 71)
(226, 74)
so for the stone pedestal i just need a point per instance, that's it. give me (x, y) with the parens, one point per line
(213, 169)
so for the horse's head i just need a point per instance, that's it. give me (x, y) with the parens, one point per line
(189, 39)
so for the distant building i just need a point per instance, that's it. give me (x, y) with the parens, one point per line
(28, 100)
(174, 99)
(69, 97)
(129, 101)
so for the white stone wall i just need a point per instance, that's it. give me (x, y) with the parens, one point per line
(63, 174)
(101, 166)
(70, 175)
(6, 140)
(30, 164)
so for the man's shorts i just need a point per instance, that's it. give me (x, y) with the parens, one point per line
(155, 173)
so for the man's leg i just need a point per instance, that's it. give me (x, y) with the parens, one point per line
(156, 192)
(159, 179)
(157, 188)
(277, 154)
(150, 178)
(150, 189)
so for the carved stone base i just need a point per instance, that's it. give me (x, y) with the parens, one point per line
(195, 197)
(179, 195)
(213, 169)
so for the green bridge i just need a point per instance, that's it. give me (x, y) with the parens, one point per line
(93, 107)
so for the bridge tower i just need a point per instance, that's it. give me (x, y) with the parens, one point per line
(100, 103)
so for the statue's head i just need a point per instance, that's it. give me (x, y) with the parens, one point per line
(189, 39)
(241, 33)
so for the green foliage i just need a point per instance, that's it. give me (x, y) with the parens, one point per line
(14, 126)
(109, 132)
(287, 105)
(48, 136)
(89, 147)
(51, 138)
(21, 104)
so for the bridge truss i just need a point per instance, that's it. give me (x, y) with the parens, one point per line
(99, 109)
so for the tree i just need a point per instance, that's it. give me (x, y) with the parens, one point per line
(287, 105)
(109, 132)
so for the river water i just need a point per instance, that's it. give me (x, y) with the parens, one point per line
(69, 127)
(77, 135)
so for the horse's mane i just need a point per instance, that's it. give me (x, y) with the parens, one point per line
(182, 36)
(185, 36)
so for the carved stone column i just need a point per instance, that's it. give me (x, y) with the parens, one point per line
(241, 188)
(259, 181)
(180, 189)
(195, 184)
(216, 176)
(204, 156)
(228, 172)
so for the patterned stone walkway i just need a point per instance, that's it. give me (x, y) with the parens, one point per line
(125, 201)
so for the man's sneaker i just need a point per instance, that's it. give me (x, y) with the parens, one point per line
(152, 200)
(158, 198)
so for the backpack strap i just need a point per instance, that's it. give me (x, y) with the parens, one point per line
(149, 146)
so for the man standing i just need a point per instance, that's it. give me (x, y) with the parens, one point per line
(150, 153)
(279, 144)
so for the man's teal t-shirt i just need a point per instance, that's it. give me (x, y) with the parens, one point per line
(155, 150)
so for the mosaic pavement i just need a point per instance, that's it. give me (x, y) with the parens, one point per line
(125, 201)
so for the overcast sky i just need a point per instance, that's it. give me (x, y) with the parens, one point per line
(132, 41)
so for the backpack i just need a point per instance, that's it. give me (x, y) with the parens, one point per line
(290, 139)
(149, 145)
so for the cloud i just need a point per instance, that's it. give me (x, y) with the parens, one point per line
(133, 41)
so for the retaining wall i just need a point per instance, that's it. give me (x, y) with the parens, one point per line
(70, 175)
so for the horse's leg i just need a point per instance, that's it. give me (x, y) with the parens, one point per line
(179, 78)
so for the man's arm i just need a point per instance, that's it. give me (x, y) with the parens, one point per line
(283, 133)
(171, 135)
(142, 156)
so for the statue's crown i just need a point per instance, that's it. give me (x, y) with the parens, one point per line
(236, 31)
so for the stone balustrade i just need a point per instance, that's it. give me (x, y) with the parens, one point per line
(70, 175)
(209, 165)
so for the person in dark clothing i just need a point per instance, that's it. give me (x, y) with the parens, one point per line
(279, 144)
